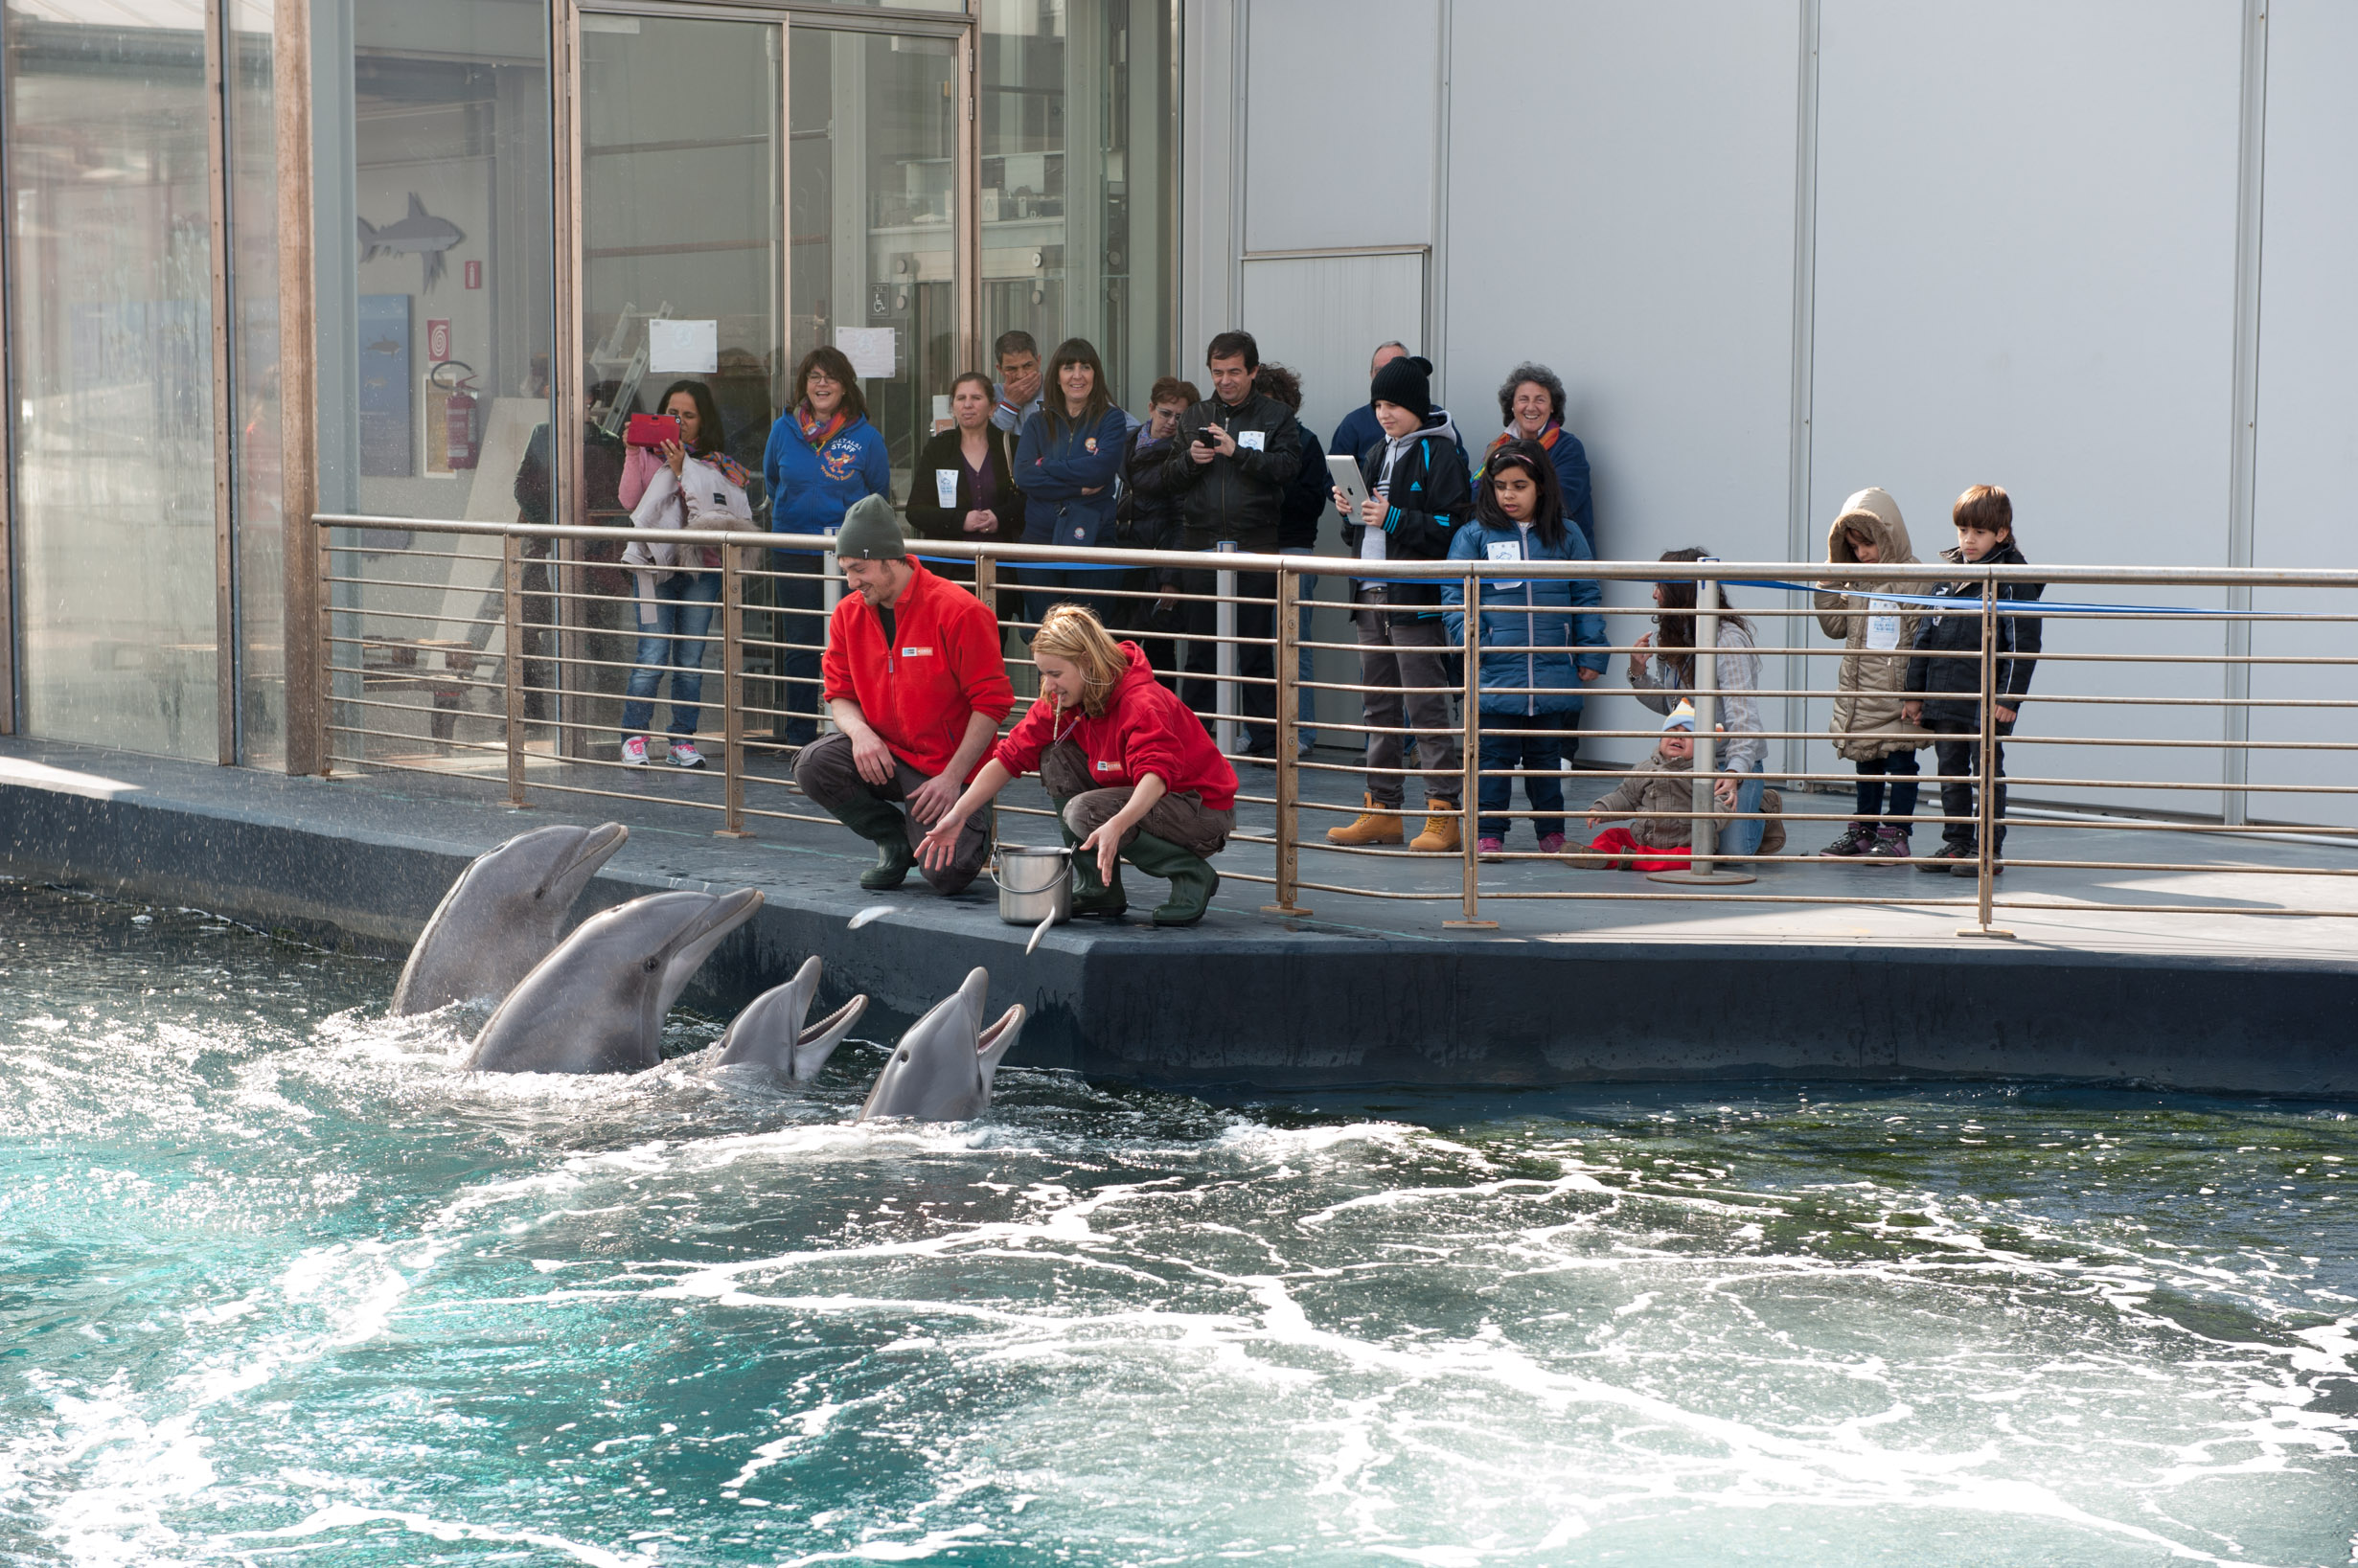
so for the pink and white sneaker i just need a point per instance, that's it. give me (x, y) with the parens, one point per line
(634, 750)
(685, 754)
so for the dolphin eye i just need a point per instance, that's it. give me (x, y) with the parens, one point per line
(539, 894)
(653, 963)
(904, 1055)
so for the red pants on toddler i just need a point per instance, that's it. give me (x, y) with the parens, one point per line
(1630, 856)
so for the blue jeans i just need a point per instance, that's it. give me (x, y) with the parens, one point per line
(1902, 769)
(801, 618)
(1539, 751)
(1744, 837)
(672, 627)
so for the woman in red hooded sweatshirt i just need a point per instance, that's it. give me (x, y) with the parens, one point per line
(1131, 771)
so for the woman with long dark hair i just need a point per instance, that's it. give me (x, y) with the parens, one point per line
(823, 455)
(1531, 675)
(1661, 674)
(687, 483)
(1066, 466)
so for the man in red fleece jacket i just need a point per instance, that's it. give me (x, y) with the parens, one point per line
(914, 681)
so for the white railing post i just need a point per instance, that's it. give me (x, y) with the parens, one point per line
(1702, 835)
(1223, 623)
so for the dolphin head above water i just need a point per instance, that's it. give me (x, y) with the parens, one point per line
(596, 1004)
(770, 1031)
(942, 1069)
(502, 915)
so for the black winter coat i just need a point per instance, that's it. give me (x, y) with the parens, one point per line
(1430, 499)
(944, 453)
(1237, 497)
(1144, 521)
(1959, 630)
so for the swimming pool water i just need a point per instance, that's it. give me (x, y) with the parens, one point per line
(279, 1285)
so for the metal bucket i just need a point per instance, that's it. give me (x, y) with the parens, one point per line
(1034, 884)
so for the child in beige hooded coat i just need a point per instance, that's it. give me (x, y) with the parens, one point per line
(1877, 632)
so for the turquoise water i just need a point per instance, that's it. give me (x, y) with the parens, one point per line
(279, 1285)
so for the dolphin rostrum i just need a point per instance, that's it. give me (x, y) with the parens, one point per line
(941, 1071)
(502, 915)
(770, 1031)
(596, 1005)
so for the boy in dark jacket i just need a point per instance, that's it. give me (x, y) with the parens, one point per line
(1945, 692)
(1418, 496)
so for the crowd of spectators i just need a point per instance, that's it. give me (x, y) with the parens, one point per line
(1040, 454)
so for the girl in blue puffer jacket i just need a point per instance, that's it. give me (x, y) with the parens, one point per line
(1530, 676)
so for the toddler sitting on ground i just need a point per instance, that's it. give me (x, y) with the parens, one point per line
(1662, 788)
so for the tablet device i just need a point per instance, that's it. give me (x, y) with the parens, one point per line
(1349, 480)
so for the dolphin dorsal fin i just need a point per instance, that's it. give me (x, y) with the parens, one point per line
(416, 205)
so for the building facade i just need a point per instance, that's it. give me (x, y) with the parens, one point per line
(267, 259)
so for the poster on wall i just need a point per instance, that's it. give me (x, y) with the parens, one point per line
(385, 450)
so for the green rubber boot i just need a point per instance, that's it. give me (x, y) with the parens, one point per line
(881, 822)
(1094, 895)
(1192, 879)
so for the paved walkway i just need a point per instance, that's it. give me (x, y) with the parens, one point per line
(2246, 891)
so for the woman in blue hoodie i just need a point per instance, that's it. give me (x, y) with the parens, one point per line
(1066, 467)
(1530, 677)
(823, 455)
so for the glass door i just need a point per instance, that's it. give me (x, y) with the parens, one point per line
(875, 190)
(748, 190)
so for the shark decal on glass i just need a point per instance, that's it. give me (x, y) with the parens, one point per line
(419, 234)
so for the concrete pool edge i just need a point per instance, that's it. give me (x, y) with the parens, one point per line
(1263, 1008)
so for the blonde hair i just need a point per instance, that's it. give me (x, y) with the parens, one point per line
(1073, 633)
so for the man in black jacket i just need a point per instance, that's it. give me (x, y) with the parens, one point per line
(1946, 689)
(1234, 456)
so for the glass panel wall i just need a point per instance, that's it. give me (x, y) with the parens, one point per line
(109, 234)
(431, 197)
(1080, 165)
(875, 192)
(254, 385)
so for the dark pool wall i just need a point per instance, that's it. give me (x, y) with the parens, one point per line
(1269, 1009)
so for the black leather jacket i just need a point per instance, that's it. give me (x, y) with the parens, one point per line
(1239, 497)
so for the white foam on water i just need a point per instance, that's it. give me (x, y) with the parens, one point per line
(346, 1516)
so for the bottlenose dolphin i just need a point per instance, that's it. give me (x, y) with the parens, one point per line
(770, 1031)
(502, 915)
(596, 1005)
(941, 1070)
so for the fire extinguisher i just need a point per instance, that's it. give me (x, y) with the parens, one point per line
(458, 416)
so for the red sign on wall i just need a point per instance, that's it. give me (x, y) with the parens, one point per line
(438, 341)
(474, 274)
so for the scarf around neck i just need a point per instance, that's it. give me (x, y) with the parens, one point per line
(815, 433)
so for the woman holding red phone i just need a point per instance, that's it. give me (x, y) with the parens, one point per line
(686, 480)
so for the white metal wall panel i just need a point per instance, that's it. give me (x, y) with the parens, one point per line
(1322, 315)
(2307, 493)
(1341, 102)
(2025, 249)
(1625, 215)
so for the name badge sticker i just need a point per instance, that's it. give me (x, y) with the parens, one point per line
(946, 487)
(1883, 624)
(1505, 550)
(1252, 440)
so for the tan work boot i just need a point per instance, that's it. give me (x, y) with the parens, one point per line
(1440, 834)
(1372, 826)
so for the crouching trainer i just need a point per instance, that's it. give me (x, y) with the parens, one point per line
(1131, 771)
(914, 682)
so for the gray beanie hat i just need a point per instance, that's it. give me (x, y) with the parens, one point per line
(870, 531)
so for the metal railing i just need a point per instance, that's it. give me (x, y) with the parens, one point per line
(415, 645)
